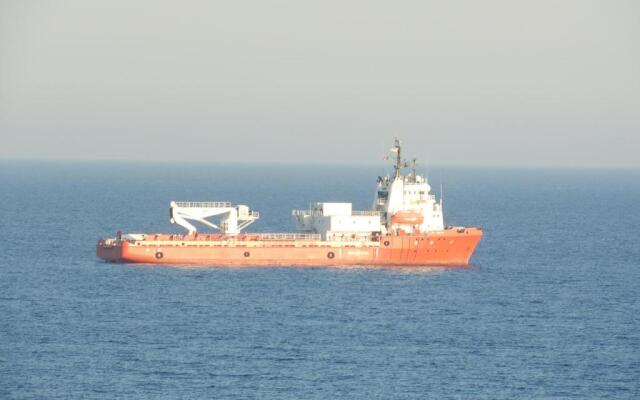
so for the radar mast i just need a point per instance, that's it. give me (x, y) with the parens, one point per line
(397, 149)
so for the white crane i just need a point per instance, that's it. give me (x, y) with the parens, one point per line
(233, 218)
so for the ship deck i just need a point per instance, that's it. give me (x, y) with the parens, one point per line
(243, 240)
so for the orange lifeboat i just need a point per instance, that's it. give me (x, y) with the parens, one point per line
(407, 218)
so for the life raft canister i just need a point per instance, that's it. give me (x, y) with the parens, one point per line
(407, 218)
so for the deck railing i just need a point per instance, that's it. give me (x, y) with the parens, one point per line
(203, 204)
(319, 213)
(367, 212)
(307, 213)
(289, 236)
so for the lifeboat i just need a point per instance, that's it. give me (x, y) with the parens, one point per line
(407, 218)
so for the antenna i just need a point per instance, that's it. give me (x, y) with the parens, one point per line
(413, 169)
(398, 158)
(397, 149)
(441, 197)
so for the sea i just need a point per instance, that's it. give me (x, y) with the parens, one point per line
(549, 309)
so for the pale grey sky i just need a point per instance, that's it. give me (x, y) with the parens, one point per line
(544, 82)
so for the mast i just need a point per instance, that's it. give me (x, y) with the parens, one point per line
(398, 165)
(413, 171)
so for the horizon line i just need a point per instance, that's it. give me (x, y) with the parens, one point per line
(309, 163)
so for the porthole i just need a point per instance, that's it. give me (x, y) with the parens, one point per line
(159, 255)
(331, 254)
(247, 254)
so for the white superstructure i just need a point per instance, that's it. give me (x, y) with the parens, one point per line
(402, 203)
(337, 221)
(405, 194)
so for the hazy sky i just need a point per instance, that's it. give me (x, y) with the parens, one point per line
(544, 82)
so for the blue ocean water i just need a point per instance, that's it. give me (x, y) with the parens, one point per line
(549, 310)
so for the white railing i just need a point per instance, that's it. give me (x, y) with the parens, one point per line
(289, 236)
(318, 213)
(203, 204)
(305, 213)
(366, 212)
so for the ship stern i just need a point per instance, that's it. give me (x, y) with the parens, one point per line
(109, 249)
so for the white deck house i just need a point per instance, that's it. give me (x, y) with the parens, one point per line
(337, 221)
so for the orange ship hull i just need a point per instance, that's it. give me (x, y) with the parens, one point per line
(451, 247)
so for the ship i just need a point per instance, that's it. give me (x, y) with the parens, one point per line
(404, 227)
